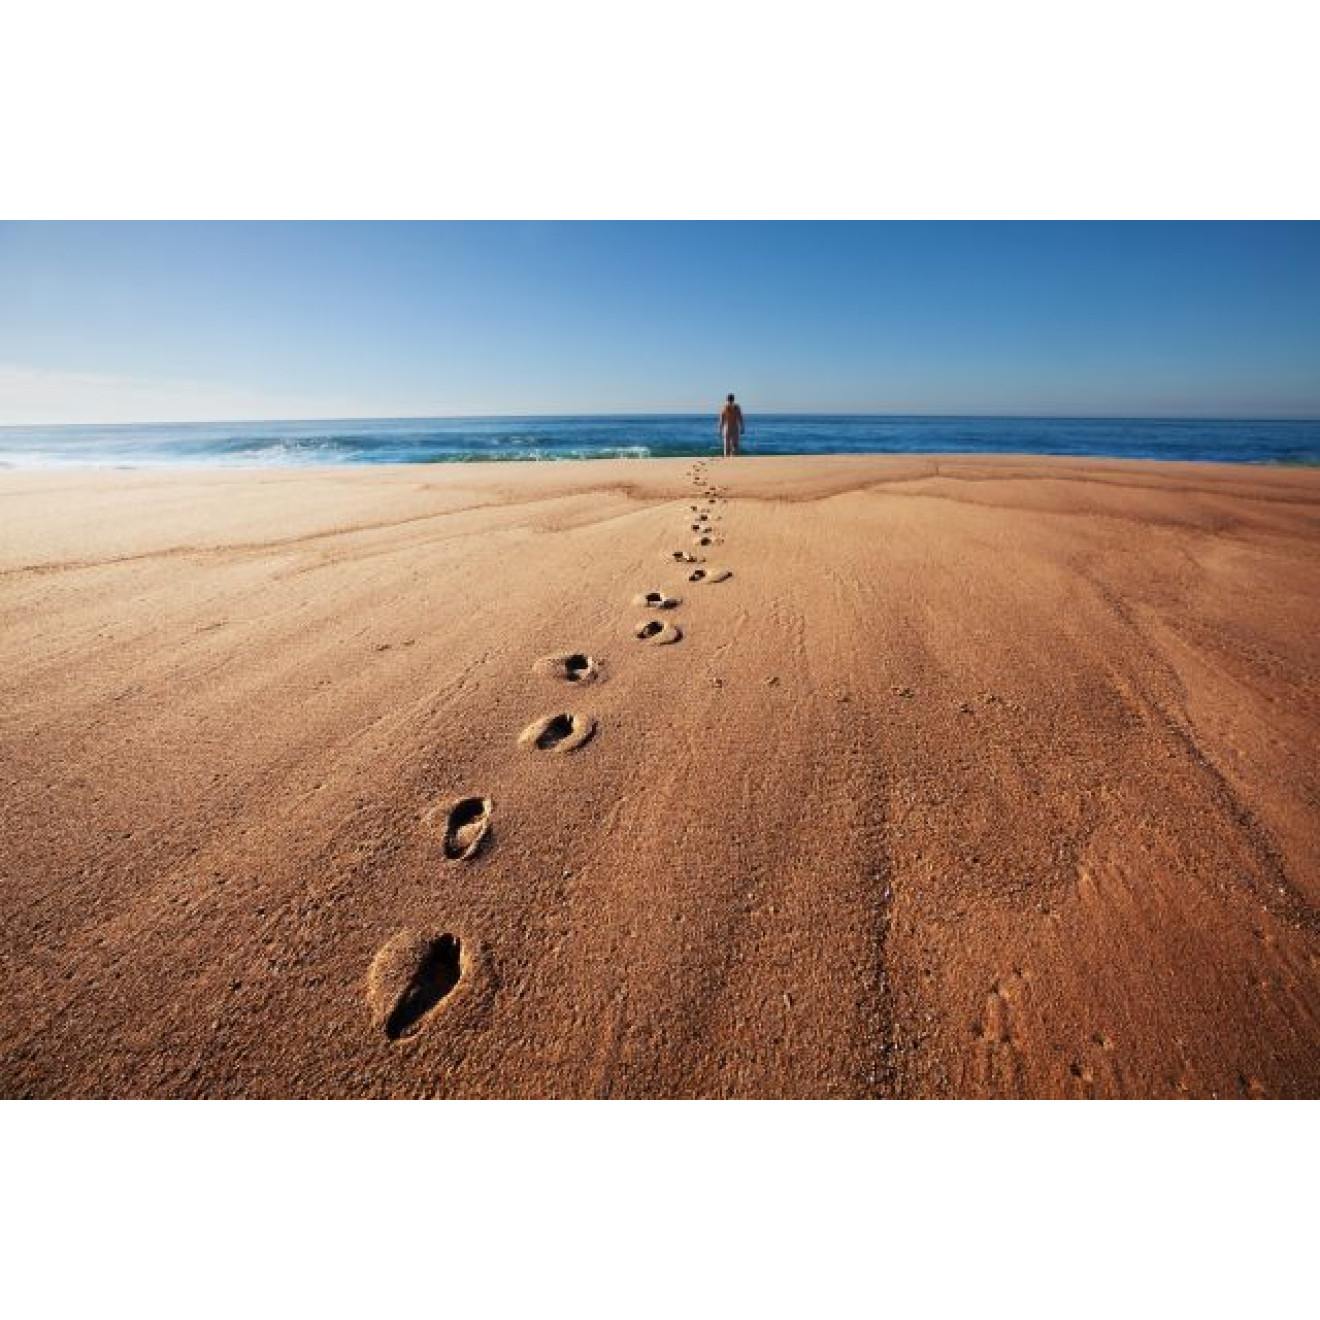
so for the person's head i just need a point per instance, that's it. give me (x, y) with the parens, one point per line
(730, 398)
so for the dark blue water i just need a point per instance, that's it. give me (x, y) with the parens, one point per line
(445, 440)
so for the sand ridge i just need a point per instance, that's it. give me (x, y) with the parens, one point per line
(976, 777)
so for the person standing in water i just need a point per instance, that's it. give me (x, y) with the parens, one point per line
(732, 426)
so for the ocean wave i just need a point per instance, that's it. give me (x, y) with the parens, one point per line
(573, 439)
(543, 455)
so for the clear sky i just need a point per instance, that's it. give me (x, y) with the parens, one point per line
(183, 322)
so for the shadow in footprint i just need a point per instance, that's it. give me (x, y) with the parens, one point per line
(571, 667)
(557, 733)
(467, 823)
(409, 978)
(660, 634)
(655, 600)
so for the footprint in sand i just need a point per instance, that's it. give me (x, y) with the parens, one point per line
(682, 557)
(660, 634)
(409, 978)
(571, 667)
(714, 575)
(467, 822)
(701, 540)
(655, 600)
(557, 733)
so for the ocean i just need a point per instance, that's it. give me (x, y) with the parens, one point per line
(525, 439)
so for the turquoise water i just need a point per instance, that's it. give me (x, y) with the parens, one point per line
(443, 440)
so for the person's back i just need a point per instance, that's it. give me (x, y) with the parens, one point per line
(731, 426)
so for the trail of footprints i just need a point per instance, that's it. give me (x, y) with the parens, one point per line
(415, 972)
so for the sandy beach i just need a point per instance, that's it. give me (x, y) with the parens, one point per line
(947, 777)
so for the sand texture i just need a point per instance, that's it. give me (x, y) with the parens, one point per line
(768, 777)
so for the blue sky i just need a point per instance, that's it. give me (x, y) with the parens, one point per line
(180, 322)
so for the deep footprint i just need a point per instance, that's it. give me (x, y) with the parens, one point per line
(659, 634)
(573, 667)
(467, 822)
(655, 600)
(409, 978)
(557, 733)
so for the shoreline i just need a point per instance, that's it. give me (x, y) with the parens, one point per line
(980, 775)
(213, 465)
(584, 437)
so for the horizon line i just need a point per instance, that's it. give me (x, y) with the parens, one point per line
(565, 416)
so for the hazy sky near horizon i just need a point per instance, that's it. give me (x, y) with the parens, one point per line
(184, 322)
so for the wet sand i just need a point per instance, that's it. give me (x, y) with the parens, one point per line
(974, 777)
